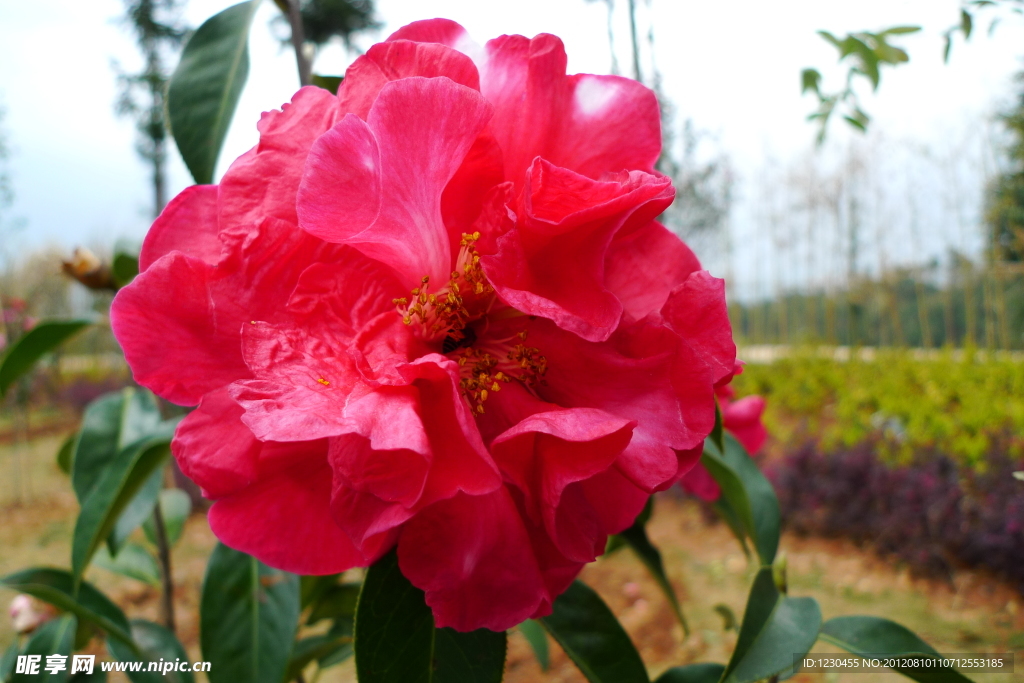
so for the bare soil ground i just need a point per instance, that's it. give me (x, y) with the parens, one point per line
(968, 613)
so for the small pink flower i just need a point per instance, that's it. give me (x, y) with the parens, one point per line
(27, 614)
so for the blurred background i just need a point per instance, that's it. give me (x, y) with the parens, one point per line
(874, 268)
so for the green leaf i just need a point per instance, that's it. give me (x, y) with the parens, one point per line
(204, 90)
(55, 637)
(132, 561)
(966, 23)
(314, 648)
(810, 79)
(593, 638)
(336, 601)
(111, 423)
(117, 486)
(748, 493)
(474, 657)
(66, 454)
(394, 628)
(856, 124)
(693, 673)
(863, 635)
(138, 510)
(731, 518)
(126, 263)
(33, 345)
(775, 628)
(538, 640)
(176, 506)
(311, 588)
(157, 644)
(948, 46)
(57, 587)
(729, 620)
(396, 642)
(831, 39)
(248, 616)
(8, 660)
(900, 30)
(331, 83)
(636, 537)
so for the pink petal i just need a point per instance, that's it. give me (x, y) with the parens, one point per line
(187, 224)
(643, 266)
(577, 122)
(545, 454)
(700, 483)
(263, 182)
(214, 449)
(643, 372)
(443, 31)
(284, 520)
(397, 59)
(697, 311)
(301, 386)
(473, 558)
(377, 186)
(553, 264)
(743, 420)
(179, 340)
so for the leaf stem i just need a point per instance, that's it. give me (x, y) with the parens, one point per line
(298, 40)
(166, 580)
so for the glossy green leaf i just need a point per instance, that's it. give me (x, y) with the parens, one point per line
(314, 648)
(748, 493)
(66, 453)
(139, 508)
(132, 561)
(873, 635)
(394, 628)
(55, 637)
(157, 644)
(204, 89)
(248, 616)
(33, 345)
(336, 601)
(118, 485)
(731, 518)
(331, 83)
(636, 537)
(176, 506)
(474, 657)
(537, 637)
(692, 673)
(111, 423)
(396, 642)
(57, 587)
(593, 638)
(775, 628)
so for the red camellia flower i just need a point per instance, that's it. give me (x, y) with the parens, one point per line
(435, 312)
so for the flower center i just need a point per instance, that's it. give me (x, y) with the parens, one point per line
(458, 315)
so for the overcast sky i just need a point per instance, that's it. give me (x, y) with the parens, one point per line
(731, 66)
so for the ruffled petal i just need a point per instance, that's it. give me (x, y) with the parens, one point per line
(643, 372)
(697, 311)
(643, 266)
(700, 483)
(180, 340)
(472, 556)
(397, 59)
(577, 122)
(214, 448)
(187, 224)
(377, 185)
(553, 263)
(284, 519)
(545, 454)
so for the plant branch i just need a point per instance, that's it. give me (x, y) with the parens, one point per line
(167, 583)
(298, 40)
